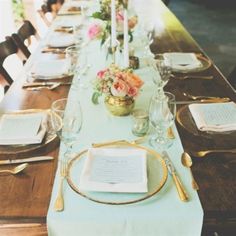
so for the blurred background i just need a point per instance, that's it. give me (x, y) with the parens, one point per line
(210, 22)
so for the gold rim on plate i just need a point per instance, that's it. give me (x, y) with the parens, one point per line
(88, 195)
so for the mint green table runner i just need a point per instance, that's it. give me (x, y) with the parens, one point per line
(162, 214)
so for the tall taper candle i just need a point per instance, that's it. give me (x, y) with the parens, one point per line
(113, 23)
(126, 39)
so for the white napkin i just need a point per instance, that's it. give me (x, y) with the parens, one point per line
(23, 128)
(115, 170)
(182, 61)
(217, 117)
(46, 69)
(60, 40)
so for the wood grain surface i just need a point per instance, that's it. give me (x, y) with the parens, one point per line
(24, 199)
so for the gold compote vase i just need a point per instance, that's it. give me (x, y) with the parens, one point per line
(119, 106)
(120, 87)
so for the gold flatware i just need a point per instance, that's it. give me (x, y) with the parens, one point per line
(205, 97)
(46, 84)
(29, 159)
(212, 100)
(64, 30)
(49, 87)
(179, 187)
(136, 141)
(192, 77)
(203, 153)
(59, 203)
(187, 162)
(16, 169)
(170, 133)
(54, 50)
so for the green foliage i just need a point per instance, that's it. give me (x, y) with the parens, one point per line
(18, 10)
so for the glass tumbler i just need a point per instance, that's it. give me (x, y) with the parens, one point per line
(72, 54)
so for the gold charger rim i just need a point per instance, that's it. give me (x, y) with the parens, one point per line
(120, 144)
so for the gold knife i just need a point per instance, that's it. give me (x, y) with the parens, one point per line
(39, 84)
(210, 100)
(180, 188)
(30, 159)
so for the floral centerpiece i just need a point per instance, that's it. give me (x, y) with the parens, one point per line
(103, 29)
(120, 87)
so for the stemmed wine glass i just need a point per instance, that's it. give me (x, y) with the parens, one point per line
(162, 113)
(162, 68)
(66, 122)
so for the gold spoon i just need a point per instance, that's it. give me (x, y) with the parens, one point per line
(187, 162)
(204, 153)
(16, 169)
(204, 97)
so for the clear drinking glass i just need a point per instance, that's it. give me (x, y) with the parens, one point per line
(77, 33)
(72, 53)
(162, 113)
(66, 122)
(163, 73)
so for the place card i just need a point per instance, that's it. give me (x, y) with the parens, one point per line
(115, 170)
(218, 117)
(22, 128)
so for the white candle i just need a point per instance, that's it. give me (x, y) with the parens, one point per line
(113, 23)
(126, 39)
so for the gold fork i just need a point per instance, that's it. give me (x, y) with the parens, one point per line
(204, 153)
(193, 77)
(59, 203)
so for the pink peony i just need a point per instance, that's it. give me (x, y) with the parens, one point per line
(95, 31)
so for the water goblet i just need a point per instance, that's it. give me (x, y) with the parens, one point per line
(163, 73)
(162, 113)
(72, 54)
(66, 122)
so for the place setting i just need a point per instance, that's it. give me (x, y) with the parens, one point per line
(210, 121)
(25, 131)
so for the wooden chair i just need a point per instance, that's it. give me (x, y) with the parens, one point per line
(42, 12)
(24, 33)
(7, 48)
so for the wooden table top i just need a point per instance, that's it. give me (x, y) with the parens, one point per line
(24, 199)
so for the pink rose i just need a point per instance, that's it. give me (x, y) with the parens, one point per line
(119, 17)
(132, 91)
(101, 73)
(95, 31)
(119, 88)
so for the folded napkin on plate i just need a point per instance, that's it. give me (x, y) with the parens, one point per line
(50, 68)
(115, 170)
(217, 117)
(182, 61)
(23, 128)
(60, 40)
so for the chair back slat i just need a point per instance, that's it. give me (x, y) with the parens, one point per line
(25, 32)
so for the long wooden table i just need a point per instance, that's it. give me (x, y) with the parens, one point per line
(24, 199)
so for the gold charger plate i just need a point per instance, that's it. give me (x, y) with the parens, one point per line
(206, 63)
(156, 171)
(49, 137)
(185, 119)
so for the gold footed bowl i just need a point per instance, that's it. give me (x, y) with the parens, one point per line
(119, 106)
